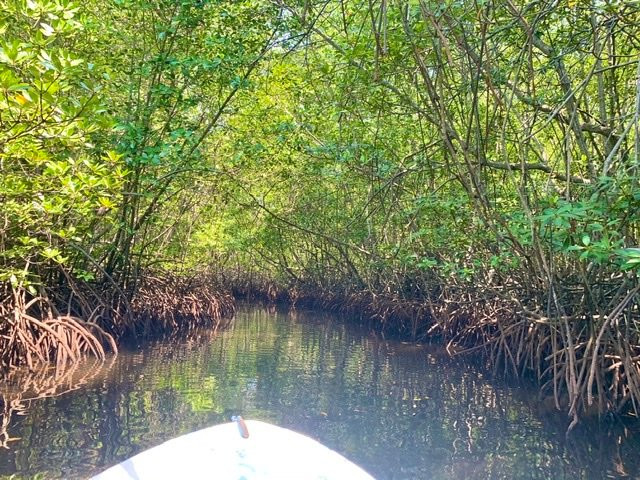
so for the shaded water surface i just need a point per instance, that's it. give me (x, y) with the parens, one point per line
(400, 411)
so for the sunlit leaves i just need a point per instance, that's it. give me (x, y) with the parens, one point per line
(51, 179)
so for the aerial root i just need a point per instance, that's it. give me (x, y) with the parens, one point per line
(32, 332)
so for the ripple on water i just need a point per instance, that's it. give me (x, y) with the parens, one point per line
(402, 411)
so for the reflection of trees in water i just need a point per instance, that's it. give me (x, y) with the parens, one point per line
(21, 387)
(9, 408)
(372, 400)
(141, 399)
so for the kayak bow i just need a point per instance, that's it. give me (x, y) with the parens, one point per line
(248, 450)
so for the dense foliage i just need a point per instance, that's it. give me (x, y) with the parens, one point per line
(478, 159)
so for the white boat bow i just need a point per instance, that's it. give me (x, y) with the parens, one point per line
(222, 452)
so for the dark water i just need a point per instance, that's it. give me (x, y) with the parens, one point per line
(400, 411)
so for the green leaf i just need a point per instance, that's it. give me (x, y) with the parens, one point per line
(50, 253)
(46, 29)
(18, 86)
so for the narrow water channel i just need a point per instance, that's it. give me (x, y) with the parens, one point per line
(400, 411)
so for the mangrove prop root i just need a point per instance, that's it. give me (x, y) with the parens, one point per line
(31, 333)
(167, 303)
(587, 361)
(62, 328)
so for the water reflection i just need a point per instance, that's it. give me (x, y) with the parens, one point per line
(398, 410)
